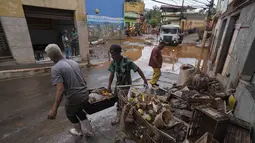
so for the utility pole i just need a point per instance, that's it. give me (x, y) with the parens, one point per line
(181, 16)
(207, 20)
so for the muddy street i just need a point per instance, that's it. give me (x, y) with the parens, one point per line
(139, 50)
(26, 102)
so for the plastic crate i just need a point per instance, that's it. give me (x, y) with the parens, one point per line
(206, 138)
(206, 119)
(238, 131)
(149, 133)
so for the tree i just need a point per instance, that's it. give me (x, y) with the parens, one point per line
(153, 16)
(154, 23)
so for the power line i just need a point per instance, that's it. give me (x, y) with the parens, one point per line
(191, 2)
(200, 2)
(174, 2)
(194, 4)
(162, 2)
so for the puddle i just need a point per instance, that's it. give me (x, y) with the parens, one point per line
(133, 53)
(173, 56)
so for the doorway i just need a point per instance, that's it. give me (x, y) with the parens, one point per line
(226, 43)
(5, 52)
(46, 26)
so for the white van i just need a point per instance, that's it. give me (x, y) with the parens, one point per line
(171, 34)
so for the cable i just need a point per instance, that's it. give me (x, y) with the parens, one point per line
(194, 4)
(173, 1)
(162, 2)
(191, 2)
(200, 2)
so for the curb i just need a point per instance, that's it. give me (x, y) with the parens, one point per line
(22, 73)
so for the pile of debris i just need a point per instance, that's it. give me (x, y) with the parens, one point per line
(202, 103)
(195, 111)
(196, 89)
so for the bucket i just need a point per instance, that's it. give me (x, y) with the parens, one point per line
(185, 71)
(163, 119)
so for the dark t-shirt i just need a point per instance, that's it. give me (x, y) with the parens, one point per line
(156, 52)
(68, 72)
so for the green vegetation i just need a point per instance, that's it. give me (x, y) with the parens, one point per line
(153, 16)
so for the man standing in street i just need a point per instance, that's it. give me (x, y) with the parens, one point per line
(68, 78)
(156, 61)
(122, 66)
(66, 42)
(74, 45)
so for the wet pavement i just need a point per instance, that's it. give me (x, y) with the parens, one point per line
(173, 56)
(25, 103)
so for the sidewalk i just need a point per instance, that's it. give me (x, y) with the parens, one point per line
(21, 71)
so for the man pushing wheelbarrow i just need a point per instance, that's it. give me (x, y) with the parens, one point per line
(122, 66)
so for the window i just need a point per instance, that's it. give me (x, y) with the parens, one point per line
(127, 24)
(169, 31)
(171, 10)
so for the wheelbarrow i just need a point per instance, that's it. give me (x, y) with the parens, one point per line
(100, 105)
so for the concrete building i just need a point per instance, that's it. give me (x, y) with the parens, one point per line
(233, 54)
(108, 21)
(133, 10)
(171, 14)
(27, 26)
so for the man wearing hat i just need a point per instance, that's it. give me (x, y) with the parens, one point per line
(122, 67)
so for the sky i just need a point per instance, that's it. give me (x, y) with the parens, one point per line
(149, 3)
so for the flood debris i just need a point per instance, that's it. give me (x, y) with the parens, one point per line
(206, 138)
(205, 98)
(99, 41)
(195, 111)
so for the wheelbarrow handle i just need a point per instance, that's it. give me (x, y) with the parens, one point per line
(129, 85)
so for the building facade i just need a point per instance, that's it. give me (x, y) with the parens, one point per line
(29, 25)
(133, 11)
(105, 18)
(171, 14)
(233, 54)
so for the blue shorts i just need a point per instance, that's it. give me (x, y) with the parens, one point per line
(68, 51)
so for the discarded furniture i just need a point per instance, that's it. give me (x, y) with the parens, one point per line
(206, 119)
(207, 138)
(238, 131)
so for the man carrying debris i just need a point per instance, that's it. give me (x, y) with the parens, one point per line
(122, 67)
(67, 77)
(156, 61)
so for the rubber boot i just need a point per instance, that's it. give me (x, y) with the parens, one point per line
(76, 130)
(86, 128)
(117, 119)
